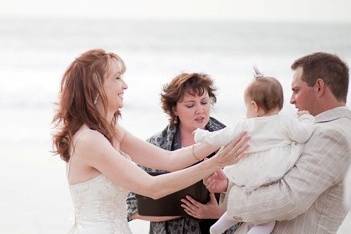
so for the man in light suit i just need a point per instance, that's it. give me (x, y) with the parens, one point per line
(347, 184)
(309, 198)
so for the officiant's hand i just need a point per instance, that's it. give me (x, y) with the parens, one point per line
(210, 210)
(217, 182)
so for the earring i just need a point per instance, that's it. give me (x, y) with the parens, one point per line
(175, 121)
(96, 99)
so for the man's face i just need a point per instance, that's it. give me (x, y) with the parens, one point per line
(303, 96)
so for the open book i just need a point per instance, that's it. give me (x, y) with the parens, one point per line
(170, 204)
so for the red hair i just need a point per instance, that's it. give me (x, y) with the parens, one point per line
(81, 85)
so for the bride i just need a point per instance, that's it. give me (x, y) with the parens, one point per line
(100, 154)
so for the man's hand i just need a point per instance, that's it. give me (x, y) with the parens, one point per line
(217, 182)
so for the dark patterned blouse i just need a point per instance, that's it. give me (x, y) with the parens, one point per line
(169, 139)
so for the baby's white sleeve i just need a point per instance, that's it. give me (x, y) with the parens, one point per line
(306, 118)
(300, 129)
(218, 138)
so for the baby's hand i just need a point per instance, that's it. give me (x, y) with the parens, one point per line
(305, 116)
(302, 112)
(200, 135)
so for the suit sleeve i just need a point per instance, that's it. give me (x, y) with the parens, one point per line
(322, 164)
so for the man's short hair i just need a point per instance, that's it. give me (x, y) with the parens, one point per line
(328, 67)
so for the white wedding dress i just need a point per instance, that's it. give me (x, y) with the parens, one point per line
(99, 207)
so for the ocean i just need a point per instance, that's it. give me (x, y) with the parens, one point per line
(34, 53)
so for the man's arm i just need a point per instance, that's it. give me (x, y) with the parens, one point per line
(323, 163)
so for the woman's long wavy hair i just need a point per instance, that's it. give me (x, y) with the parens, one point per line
(81, 86)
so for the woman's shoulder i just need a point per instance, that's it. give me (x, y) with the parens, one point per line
(161, 136)
(214, 125)
(87, 142)
(88, 138)
(87, 134)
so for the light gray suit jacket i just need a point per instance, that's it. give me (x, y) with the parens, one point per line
(309, 198)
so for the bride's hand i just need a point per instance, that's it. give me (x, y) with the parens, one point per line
(233, 152)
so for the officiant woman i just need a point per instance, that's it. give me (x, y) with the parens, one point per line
(187, 100)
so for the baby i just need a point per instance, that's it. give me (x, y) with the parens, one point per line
(275, 145)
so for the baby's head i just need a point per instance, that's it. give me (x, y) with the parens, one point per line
(263, 97)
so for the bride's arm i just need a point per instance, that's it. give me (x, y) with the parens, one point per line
(95, 150)
(148, 155)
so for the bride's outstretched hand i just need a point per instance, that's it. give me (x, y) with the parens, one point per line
(233, 152)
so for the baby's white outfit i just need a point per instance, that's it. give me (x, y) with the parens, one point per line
(276, 143)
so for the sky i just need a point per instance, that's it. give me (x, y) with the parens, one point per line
(254, 10)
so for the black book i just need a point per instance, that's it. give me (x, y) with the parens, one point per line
(170, 204)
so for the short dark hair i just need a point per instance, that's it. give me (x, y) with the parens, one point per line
(192, 83)
(328, 67)
(267, 92)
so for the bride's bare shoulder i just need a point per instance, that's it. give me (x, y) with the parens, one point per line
(121, 132)
(86, 137)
